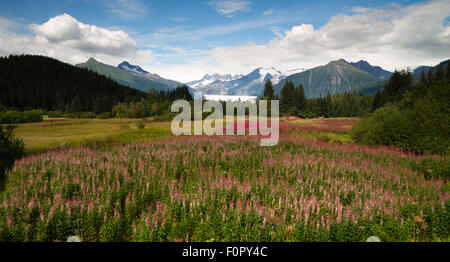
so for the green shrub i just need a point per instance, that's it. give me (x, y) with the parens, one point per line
(164, 117)
(140, 124)
(17, 117)
(80, 115)
(388, 125)
(10, 150)
(419, 123)
(104, 115)
(55, 114)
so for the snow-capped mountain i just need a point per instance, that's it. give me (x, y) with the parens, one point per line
(208, 79)
(248, 85)
(139, 72)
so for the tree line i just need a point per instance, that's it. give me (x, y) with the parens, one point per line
(293, 102)
(38, 82)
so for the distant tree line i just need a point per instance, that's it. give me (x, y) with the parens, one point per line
(37, 82)
(155, 104)
(293, 102)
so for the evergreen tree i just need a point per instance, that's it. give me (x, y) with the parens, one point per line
(398, 84)
(287, 97)
(440, 74)
(39, 82)
(423, 77)
(377, 100)
(430, 77)
(75, 106)
(328, 105)
(448, 71)
(300, 98)
(268, 90)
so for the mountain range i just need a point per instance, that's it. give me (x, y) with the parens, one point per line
(336, 77)
(251, 84)
(131, 75)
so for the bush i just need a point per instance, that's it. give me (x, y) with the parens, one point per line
(10, 150)
(55, 114)
(17, 117)
(388, 126)
(164, 117)
(140, 124)
(419, 123)
(80, 115)
(104, 116)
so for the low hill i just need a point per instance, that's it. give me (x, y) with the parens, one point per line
(31, 82)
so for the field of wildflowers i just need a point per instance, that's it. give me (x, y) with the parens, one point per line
(228, 188)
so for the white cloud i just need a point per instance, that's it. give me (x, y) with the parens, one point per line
(392, 37)
(127, 9)
(65, 38)
(269, 12)
(229, 8)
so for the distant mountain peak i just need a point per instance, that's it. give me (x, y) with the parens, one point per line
(250, 84)
(92, 60)
(129, 67)
(375, 71)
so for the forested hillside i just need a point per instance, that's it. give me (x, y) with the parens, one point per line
(337, 77)
(38, 82)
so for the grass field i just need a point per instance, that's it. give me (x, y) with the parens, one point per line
(315, 185)
(61, 132)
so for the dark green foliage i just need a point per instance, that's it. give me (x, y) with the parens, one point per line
(11, 149)
(156, 104)
(55, 114)
(440, 73)
(71, 190)
(17, 117)
(399, 83)
(106, 115)
(347, 200)
(164, 117)
(346, 105)
(53, 85)
(447, 73)
(140, 124)
(287, 101)
(300, 98)
(268, 91)
(420, 122)
(293, 100)
(80, 115)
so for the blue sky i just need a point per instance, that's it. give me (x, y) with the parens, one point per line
(183, 40)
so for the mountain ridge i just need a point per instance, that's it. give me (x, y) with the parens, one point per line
(251, 84)
(124, 77)
(337, 76)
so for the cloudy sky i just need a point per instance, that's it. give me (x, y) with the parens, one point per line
(183, 40)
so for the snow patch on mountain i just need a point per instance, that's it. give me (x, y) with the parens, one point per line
(209, 79)
(247, 85)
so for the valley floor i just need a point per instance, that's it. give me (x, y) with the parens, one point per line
(103, 181)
